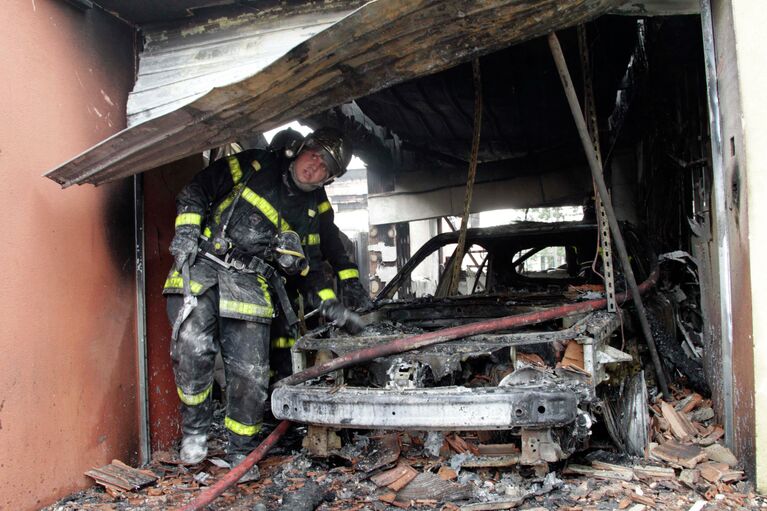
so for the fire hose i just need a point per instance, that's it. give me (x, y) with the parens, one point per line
(399, 346)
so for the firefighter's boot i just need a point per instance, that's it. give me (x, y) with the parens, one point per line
(194, 449)
(251, 475)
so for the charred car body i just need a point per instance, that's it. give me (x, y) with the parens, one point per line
(546, 383)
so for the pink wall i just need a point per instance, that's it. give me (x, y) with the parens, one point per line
(67, 335)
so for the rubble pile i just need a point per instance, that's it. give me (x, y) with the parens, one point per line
(686, 467)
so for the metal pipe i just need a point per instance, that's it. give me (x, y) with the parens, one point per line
(234, 475)
(722, 223)
(141, 337)
(596, 173)
(448, 334)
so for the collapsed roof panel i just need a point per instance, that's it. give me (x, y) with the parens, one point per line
(377, 46)
(181, 62)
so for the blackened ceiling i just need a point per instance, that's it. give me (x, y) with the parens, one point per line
(526, 123)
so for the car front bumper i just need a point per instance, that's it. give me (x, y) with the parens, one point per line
(438, 408)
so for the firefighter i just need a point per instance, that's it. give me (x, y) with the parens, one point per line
(245, 224)
(353, 294)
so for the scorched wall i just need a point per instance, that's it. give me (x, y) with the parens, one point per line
(67, 335)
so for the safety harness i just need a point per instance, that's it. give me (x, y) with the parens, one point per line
(220, 251)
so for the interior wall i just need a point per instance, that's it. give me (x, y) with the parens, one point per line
(674, 171)
(417, 197)
(68, 370)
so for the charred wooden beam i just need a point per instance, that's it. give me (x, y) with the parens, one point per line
(380, 44)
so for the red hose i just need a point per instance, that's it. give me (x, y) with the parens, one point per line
(448, 334)
(234, 475)
(399, 346)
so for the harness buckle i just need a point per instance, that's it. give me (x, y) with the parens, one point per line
(235, 262)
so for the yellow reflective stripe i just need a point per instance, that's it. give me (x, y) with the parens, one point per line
(177, 282)
(194, 399)
(265, 289)
(240, 428)
(189, 219)
(324, 207)
(256, 166)
(226, 202)
(207, 232)
(265, 208)
(245, 308)
(311, 213)
(283, 342)
(234, 168)
(351, 273)
(312, 239)
(326, 294)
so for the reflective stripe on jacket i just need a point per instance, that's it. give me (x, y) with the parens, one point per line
(267, 203)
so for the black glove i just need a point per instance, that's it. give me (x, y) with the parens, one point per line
(354, 295)
(342, 317)
(184, 244)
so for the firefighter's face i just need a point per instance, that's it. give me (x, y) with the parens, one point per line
(310, 167)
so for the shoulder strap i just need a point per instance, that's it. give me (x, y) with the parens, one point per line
(243, 183)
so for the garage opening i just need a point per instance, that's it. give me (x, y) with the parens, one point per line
(533, 244)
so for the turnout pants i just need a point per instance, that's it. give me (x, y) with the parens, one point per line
(244, 349)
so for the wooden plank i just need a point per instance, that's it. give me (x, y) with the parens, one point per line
(388, 497)
(712, 472)
(684, 455)
(573, 356)
(601, 465)
(650, 472)
(118, 474)
(493, 506)
(679, 424)
(598, 474)
(396, 478)
(430, 486)
(642, 499)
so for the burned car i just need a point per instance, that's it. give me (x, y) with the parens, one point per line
(544, 383)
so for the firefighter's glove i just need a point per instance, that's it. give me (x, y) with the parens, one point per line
(184, 244)
(354, 295)
(334, 311)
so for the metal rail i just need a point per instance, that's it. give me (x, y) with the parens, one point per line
(596, 173)
(721, 219)
(141, 337)
(590, 108)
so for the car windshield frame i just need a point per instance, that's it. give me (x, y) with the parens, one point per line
(546, 234)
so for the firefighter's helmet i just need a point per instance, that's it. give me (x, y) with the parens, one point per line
(337, 151)
(288, 141)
